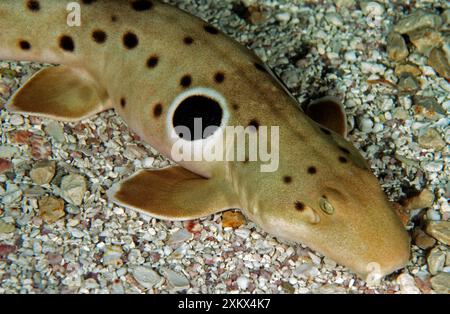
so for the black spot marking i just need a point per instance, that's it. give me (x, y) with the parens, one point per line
(197, 107)
(113, 18)
(142, 5)
(188, 40)
(299, 206)
(211, 29)
(235, 107)
(130, 40)
(287, 179)
(33, 5)
(260, 67)
(219, 77)
(254, 123)
(345, 150)
(325, 131)
(312, 170)
(99, 36)
(343, 159)
(157, 110)
(186, 81)
(123, 102)
(152, 62)
(24, 45)
(88, 1)
(66, 43)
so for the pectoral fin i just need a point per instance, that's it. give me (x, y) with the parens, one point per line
(328, 112)
(62, 93)
(173, 194)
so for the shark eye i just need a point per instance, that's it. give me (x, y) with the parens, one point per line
(326, 206)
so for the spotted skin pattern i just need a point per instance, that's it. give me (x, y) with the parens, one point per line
(137, 57)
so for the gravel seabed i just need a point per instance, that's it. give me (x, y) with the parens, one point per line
(317, 48)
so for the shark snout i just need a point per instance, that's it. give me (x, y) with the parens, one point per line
(389, 260)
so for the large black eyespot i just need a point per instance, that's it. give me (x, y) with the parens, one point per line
(197, 107)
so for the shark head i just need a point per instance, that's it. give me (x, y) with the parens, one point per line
(325, 196)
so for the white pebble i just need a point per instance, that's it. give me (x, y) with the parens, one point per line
(372, 8)
(16, 120)
(407, 284)
(146, 276)
(368, 67)
(242, 282)
(334, 19)
(283, 17)
(366, 125)
(350, 56)
(148, 162)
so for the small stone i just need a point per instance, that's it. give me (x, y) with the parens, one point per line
(425, 39)
(112, 255)
(419, 19)
(424, 199)
(43, 172)
(146, 276)
(176, 280)
(55, 130)
(431, 139)
(350, 56)
(400, 113)
(283, 17)
(374, 68)
(73, 187)
(422, 240)
(407, 284)
(407, 68)
(35, 191)
(180, 236)
(242, 233)
(51, 209)
(440, 230)
(5, 165)
(233, 219)
(7, 151)
(441, 283)
(345, 3)
(366, 125)
(148, 162)
(428, 103)
(372, 8)
(6, 228)
(256, 15)
(117, 288)
(446, 16)
(16, 120)
(438, 61)
(436, 261)
(408, 83)
(6, 249)
(242, 282)
(287, 287)
(334, 18)
(76, 233)
(13, 194)
(396, 47)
